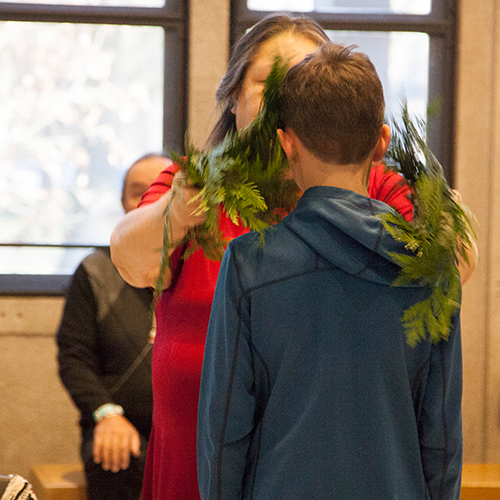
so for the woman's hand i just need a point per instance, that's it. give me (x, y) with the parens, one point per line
(183, 208)
(137, 240)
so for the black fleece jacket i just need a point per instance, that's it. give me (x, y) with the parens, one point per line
(104, 329)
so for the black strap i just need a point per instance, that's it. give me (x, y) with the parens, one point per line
(137, 361)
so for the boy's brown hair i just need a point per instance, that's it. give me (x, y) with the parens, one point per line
(334, 102)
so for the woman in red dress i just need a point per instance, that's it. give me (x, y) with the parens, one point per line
(184, 309)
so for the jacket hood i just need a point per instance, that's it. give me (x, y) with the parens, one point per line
(342, 227)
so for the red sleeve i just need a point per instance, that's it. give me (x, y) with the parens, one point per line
(391, 188)
(160, 186)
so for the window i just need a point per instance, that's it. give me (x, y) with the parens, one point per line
(410, 42)
(88, 86)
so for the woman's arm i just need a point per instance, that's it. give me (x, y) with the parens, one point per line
(136, 244)
(467, 268)
(137, 240)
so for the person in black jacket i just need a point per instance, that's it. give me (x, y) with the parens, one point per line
(104, 353)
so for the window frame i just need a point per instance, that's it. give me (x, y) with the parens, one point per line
(173, 18)
(440, 24)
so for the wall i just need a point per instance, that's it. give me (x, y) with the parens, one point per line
(37, 419)
(38, 422)
(208, 56)
(478, 169)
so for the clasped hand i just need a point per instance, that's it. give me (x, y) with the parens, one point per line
(115, 439)
(184, 207)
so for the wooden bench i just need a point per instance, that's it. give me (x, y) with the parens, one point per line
(67, 482)
(58, 481)
(481, 482)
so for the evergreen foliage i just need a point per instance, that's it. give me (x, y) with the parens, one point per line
(245, 175)
(440, 231)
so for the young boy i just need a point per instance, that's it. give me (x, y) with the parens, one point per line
(309, 390)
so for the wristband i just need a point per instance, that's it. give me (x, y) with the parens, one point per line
(106, 410)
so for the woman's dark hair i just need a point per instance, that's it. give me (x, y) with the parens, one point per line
(243, 56)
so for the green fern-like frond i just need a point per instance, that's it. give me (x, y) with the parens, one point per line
(244, 174)
(441, 230)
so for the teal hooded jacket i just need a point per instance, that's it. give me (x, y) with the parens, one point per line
(309, 390)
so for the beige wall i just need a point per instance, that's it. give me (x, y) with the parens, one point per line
(208, 56)
(37, 420)
(478, 169)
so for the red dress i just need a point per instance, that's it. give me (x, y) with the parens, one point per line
(182, 318)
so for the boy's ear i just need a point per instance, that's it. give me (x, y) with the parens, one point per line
(287, 141)
(382, 143)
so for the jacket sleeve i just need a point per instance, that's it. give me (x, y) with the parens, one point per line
(227, 402)
(77, 340)
(441, 420)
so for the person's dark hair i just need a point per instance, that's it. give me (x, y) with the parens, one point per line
(243, 56)
(334, 102)
(147, 156)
